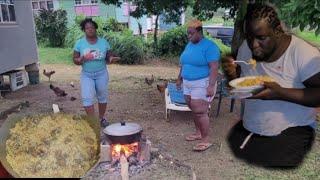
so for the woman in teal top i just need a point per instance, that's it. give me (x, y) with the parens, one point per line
(199, 69)
(92, 53)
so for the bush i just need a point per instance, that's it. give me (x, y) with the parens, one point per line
(129, 47)
(51, 27)
(173, 41)
(223, 48)
(114, 26)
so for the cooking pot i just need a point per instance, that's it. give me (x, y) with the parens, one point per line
(123, 132)
(11, 122)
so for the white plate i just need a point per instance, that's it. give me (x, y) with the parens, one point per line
(239, 95)
(234, 83)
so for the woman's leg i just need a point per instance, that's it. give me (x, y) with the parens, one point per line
(199, 109)
(197, 134)
(101, 85)
(102, 109)
(87, 92)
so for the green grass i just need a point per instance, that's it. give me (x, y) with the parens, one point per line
(55, 55)
(309, 36)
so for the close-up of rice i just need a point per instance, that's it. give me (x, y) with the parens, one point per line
(52, 146)
(255, 81)
(253, 62)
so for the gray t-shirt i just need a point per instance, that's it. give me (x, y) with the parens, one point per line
(270, 117)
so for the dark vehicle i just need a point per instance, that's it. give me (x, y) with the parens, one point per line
(220, 32)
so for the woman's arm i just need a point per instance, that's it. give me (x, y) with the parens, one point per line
(214, 67)
(179, 80)
(77, 59)
(308, 96)
(111, 57)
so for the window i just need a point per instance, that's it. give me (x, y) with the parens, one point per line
(50, 5)
(35, 5)
(7, 13)
(42, 4)
(85, 2)
(77, 2)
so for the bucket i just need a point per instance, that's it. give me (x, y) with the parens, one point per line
(33, 77)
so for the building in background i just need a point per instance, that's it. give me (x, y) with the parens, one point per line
(94, 8)
(18, 47)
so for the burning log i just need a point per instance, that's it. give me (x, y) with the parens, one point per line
(124, 167)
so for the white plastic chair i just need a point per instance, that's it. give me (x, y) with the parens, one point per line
(172, 106)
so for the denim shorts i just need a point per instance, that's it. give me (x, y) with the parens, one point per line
(197, 89)
(94, 85)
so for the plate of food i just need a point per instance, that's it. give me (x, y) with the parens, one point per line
(246, 86)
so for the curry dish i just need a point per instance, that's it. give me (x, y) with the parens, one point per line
(52, 146)
(255, 81)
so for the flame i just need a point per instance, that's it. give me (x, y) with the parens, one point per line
(126, 149)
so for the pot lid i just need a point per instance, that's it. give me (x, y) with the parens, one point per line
(122, 129)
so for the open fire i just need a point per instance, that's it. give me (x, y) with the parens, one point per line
(125, 149)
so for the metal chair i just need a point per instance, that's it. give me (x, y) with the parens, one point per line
(223, 92)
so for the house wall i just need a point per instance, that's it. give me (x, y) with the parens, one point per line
(104, 11)
(122, 15)
(107, 11)
(18, 45)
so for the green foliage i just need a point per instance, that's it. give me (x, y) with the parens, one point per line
(113, 25)
(173, 41)
(302, 14)
(129, 47)
(74, 33)
(219, 20)
(223, 48)
(51, 27)
(170, 9)
(308, 36)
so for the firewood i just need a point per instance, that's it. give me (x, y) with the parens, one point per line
(124, 167)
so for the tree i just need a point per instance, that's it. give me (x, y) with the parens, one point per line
(171, 9)
(51, 26)
(295, 13)
(302, 14)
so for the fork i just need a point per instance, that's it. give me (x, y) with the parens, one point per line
(242, 62)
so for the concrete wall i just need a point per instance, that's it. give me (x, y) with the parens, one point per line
(18, 45)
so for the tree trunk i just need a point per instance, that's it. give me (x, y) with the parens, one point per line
(155, 35)
(238, 35)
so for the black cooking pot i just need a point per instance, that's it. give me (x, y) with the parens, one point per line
(123, 133)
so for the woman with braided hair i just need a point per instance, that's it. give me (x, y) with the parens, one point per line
(277, 127)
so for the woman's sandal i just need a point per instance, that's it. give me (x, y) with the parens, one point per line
(193, 137)
(202, 146)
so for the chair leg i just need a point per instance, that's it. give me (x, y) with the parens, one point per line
(219, 104)
(232, 104)
(166, 114)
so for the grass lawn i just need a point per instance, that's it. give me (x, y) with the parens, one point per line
(309, 36)
(55, 55)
